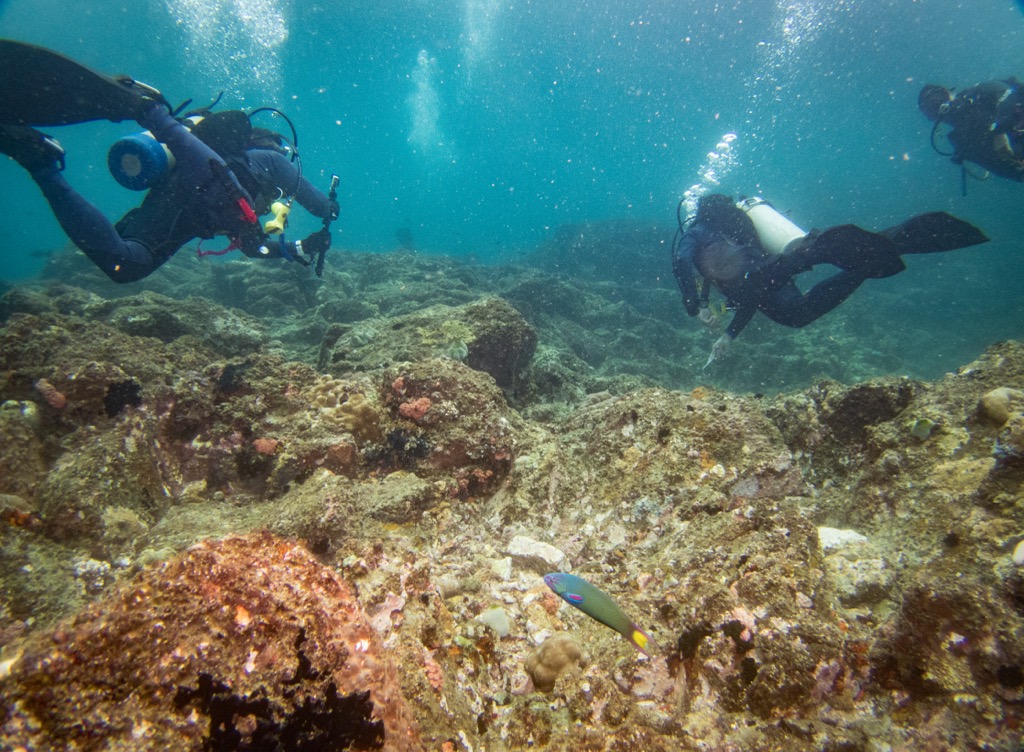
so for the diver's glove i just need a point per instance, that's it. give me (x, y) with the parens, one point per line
(269, 247)
(333, 210)
(719, 349)
(707, 317)
(316, 243)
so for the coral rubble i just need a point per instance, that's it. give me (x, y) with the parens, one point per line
(331, 527)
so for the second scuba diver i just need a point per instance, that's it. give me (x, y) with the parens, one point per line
(751, 254)
(224, 172)
(986, 123)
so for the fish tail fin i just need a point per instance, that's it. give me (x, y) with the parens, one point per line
(641, 640)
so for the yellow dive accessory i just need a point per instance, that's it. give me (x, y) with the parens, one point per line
(280, 220)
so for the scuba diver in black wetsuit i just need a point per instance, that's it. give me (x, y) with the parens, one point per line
(986, 124)
(211, 174)
(751, 253)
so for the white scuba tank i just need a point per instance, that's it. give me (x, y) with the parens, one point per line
(777, 233)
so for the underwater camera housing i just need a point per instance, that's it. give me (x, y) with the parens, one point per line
(775, 231)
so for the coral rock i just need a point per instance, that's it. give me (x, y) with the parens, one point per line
(22, 462)
(551, 658)
(415, 409)
(247, 641)
(999, 404)
(489, 335)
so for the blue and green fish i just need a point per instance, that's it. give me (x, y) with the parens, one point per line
(599, 606)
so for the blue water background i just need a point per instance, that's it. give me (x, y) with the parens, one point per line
(482, 126)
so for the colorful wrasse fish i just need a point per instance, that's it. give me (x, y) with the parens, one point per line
(599, 606)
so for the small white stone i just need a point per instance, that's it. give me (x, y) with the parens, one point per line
(496, 619)
(8, 664)
(1018, 554)
(540, 635)
(616, 535)
(536, 555)
(831, 537)
(502, 568)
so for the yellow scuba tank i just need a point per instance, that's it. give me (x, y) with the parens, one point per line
(776, 232)
(138, 160)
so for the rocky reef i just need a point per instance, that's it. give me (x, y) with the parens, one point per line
(316, 515)
(242, 643)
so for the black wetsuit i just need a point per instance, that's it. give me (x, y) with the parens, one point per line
(754, 280)
(760, 282)
(986, 122)
(199, 199)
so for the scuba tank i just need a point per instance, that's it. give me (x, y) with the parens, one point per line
(776, 232)
(138, 160)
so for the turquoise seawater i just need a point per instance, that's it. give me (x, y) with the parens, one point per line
(479, 127)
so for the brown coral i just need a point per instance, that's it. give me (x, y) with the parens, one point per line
(359, 417)
(248, 637)
(998, 405)
(551, 658)
(341, 405)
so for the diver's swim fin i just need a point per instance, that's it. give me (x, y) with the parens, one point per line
(854, 249)
(933, 233)
(41, 87)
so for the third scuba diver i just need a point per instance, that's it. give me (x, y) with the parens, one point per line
(216, 175)
(986, 123)
(751, 254)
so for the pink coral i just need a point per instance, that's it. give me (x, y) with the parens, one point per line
(265, 445)
(415, 409)
(54, 398)
(434, 672)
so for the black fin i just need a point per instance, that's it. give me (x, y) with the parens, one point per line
(41, 87)
(854, 249)
(934, 232)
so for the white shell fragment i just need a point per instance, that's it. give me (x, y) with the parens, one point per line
(496, 619)
(1018, 553)
(831, 537)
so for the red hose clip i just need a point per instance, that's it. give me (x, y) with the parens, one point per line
(247, 212)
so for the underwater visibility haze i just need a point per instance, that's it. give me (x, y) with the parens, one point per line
(495, 378)
(479, 128)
